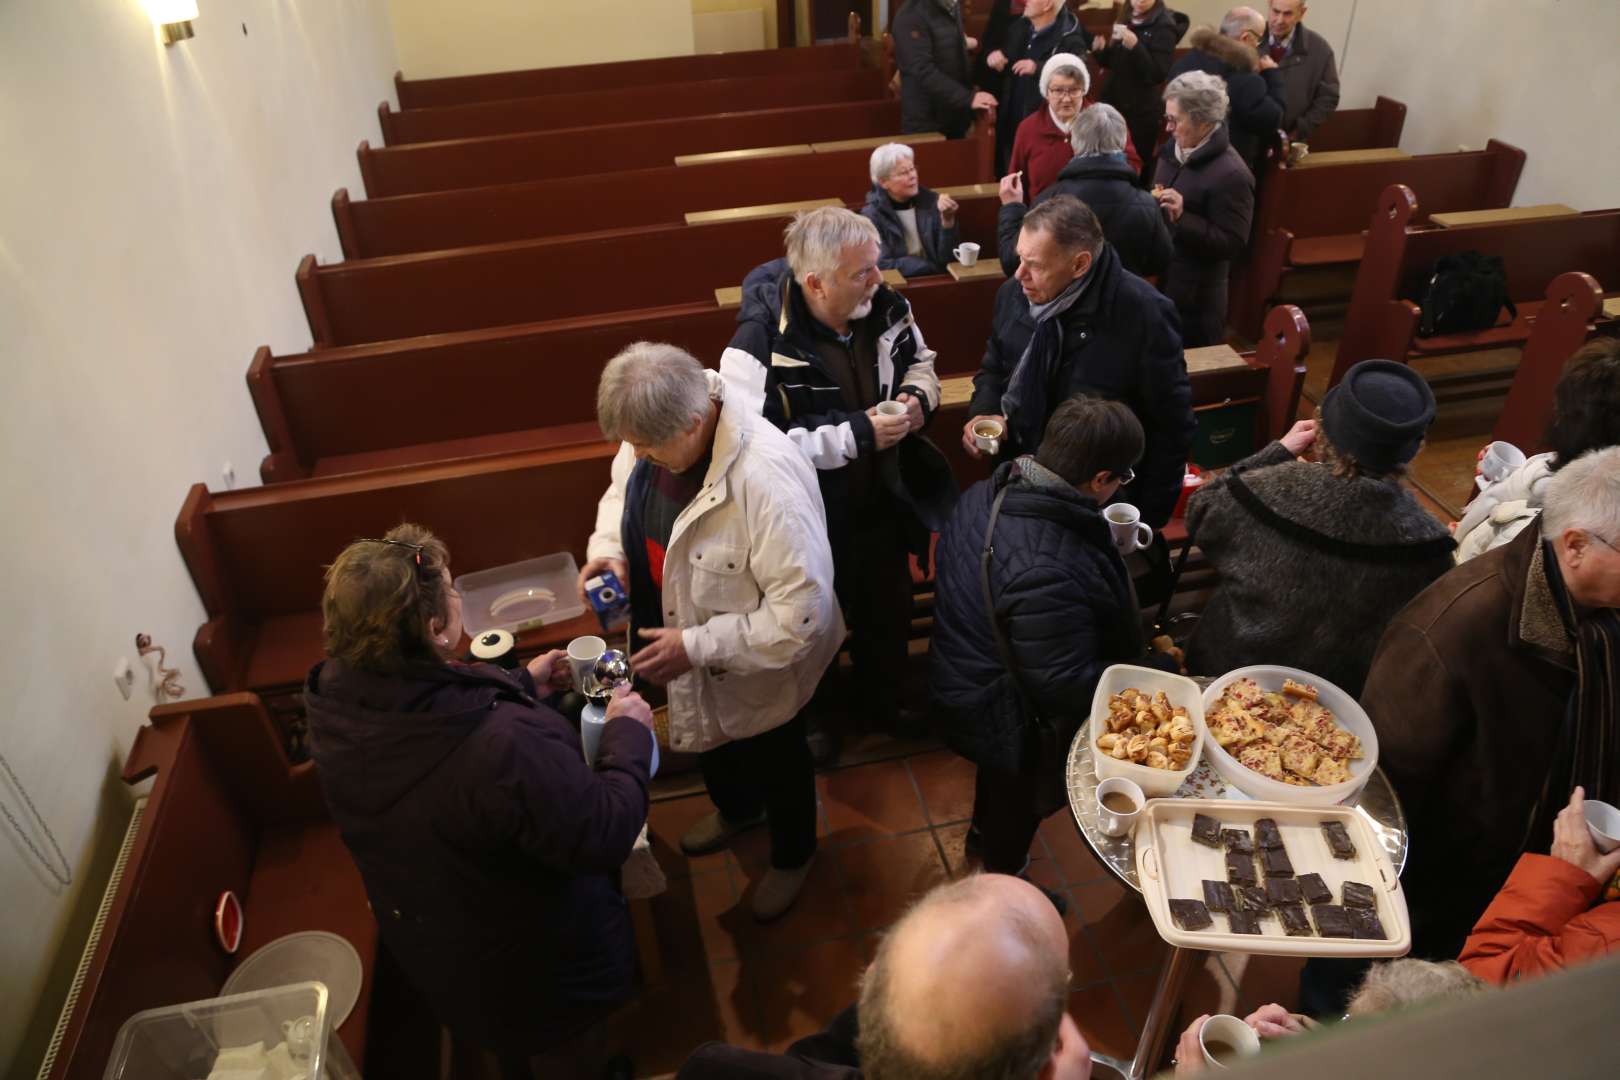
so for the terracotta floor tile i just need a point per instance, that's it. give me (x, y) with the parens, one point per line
(870, 800)
(1097, 1013)
(952, 839)
(1207, 991)
(821, 912)
(678, 1017)
(1045, 873)
(1069, 849)
(1085, 966)
(687, 918)
(946, 783)
(1120, 927)
(883, 877)
(799, 993)
(667, 820)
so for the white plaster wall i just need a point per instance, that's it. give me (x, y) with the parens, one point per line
(154, 203)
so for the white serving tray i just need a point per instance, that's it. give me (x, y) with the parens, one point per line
(1169, 864)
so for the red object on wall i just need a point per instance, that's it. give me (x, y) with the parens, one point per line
(228, 921)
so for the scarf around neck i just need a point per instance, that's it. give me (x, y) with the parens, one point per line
(1024, 402)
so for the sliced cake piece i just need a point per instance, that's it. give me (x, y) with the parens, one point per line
(1243, 922)
(1237, 840)
(1253, 898)
(1280, 891)
(1218, 896)
(1240, 869)
(1294, 921)
(1331, 920)
(1338, 840)
(1266, 833)
(1364, 924)
(1315, 889)
(1191, 914)
(1355, 894)
(1206, 830)
(1276, 862)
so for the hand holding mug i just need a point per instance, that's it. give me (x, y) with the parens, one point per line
(914, 409)
(1125, 36)
(547, 673)
(1573, 842)
(889, 425)
(981, 436)
(996, 61)
(1130, 532)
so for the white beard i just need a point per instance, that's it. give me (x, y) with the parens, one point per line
(862, 311)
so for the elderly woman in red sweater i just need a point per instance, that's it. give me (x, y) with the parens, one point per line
(1543, 919)
(1041, 147)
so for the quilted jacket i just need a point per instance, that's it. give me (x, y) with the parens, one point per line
(1542, 921)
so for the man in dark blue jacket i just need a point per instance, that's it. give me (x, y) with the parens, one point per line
(1073, 320)
(936, 80)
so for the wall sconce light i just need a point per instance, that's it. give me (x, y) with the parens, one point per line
(173, 18)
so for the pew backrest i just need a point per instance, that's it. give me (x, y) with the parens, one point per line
(1361, 129)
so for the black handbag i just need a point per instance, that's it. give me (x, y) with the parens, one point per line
(1465, 293)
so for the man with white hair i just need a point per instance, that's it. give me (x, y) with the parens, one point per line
(1254, 84)
(819, 348)
(917, 226)
(714, 522)
(1310, 77)
(1493, 693)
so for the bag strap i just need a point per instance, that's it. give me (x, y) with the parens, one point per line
(1002, 647)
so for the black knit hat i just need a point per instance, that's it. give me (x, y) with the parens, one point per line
(1378, 414)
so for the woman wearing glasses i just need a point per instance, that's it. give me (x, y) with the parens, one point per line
(488, 847)
(1041, 145)
(1047, 29)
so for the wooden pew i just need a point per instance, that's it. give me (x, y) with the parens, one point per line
(1574, 304)
(1361, 129)
(577, 151)
(226, 811)
(401, 296)
(627, 104)
(482, 392)
(496, 86)
(1399, 257)
(446, 219)
(1313, 218)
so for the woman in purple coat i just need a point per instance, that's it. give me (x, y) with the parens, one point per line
(488, 847)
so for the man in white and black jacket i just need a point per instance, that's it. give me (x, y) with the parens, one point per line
(820, 343)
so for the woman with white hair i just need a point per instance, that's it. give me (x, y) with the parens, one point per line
(1207, 194)
(1100, 175)
(1041, 145)
(917, 226)
(1046, 29)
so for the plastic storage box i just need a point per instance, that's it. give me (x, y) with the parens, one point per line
(522, 595)
(290, 1025)
(1182, 691)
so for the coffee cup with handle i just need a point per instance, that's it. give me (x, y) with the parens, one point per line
(987, 435)
(1500, 459)
(1225, 1039)
(1603, 822)
(966, 254)
(1130, 532)
(891, 408)
(583, 652)
(1119, 801)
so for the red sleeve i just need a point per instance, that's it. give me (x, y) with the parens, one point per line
(1541, 921)
(1020, 158)
(1131, 155)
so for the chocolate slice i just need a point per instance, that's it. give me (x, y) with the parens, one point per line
(1277, 863)
(1266, 833)
(1240, 869)
(1237, 840)
(1364, 924)
(1243, 922)
(1253, 898)
(1355, 894)
(1338, 840)
(1191, 914)
(1294, 921)
(1218, 896)
(1280, 891)
(1206, 830)
(1331, 920)
(1315, 889)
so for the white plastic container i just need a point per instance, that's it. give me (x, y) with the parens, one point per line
(1155, 783)
(522, 595)
(183, 1042)
(1346, 711)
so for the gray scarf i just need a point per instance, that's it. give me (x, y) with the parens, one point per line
(1024, 402)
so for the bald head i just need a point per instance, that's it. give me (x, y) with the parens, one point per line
(973, 980)
(1243, 20)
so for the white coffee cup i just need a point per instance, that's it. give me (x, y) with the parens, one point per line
(966, 254)
(1130, 532)
(1224, 1039)
(1500, 459)
(1118, 822)
(582, 656)
(1603, 822)
(892, 408)
(1119, 31)
(987, 436)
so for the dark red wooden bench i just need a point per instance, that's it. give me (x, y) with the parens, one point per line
(1400, 257)
(1573, 309)
(481, 392)
(626, 104)
(577, 151)
(1361, 129)
(1316, 217)
(485, 215)
(495, 86)
(226, 811)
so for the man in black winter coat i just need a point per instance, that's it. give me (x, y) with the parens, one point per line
(1254, 83)
(1073, 320)
(936, 79)
(1100, 177)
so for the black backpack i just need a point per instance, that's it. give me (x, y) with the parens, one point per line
(1466, 292)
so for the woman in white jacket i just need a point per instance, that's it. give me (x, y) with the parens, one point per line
(1586, 416)
(715, 524)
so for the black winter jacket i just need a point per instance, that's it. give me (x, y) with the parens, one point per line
(936, 80)
(1020, 95)
(937, 241)
(1064, 601)
(1121, 341)
(487, 845)
(1256, 96)
(1217, 190)
(1136, 76)
(1131, 218)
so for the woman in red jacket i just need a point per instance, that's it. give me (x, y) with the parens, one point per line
(1041, 146)
(1543, 919)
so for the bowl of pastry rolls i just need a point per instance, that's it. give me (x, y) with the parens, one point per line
(1147, 726)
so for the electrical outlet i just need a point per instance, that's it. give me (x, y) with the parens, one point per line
(229, 473)
(124, 677)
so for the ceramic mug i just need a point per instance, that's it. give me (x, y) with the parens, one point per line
(1603, 822)
(892, 408)
(1130, 532)
(1117, 821)
(1225, 1039)
(966, 254)
(583, 652)
(1500, 459)
(987, 436)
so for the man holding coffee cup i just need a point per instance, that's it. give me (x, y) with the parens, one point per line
(1074, 320)
(834, 357)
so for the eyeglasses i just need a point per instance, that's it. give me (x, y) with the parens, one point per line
(1605, 543)
(415, 548)
(1073, 91)
(1124, 476)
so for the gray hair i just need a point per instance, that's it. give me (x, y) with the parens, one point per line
(886, 158)
(1099, 129)
(1585, 494)
(1069, 222)
(816, 239)
(1240, 19)
(1200, 95)
(1402, 983)
(650, 393)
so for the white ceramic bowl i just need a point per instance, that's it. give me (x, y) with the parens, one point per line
(1155, 783)
(1346, 711)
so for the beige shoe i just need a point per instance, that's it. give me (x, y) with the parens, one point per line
(714, 832)
(778, 889)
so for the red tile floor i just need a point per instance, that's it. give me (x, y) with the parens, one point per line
(889, 831)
